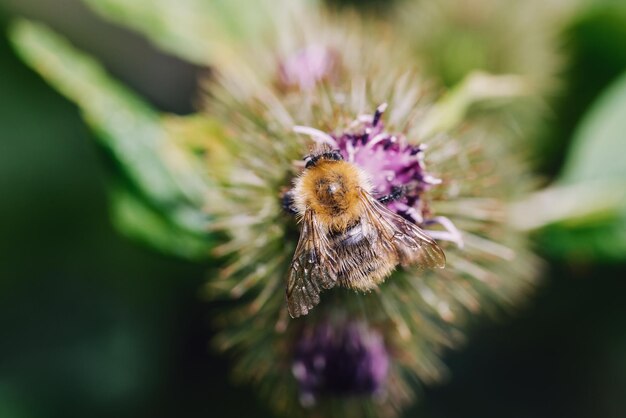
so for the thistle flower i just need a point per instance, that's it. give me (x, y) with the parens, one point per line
(341, 359)
(281, 99)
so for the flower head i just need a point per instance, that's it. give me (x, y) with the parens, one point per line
(454, 184)
(339, 359)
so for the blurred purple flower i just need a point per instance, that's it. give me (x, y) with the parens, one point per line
(339, 360)
(306, 67)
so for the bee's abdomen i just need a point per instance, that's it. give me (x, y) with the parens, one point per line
(359, 266)
(350, 236)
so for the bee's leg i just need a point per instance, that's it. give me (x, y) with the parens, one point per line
(396, 193)
(287, 203)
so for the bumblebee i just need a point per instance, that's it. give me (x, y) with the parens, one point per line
(348, 237)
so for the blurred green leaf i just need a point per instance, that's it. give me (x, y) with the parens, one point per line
(594, 42)
(600, 140)
(605, 241)
(139, 220)
(590, 219)
(11, 404)
(164, 173)
(199, 31)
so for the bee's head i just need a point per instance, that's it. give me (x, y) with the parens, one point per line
(326, 155)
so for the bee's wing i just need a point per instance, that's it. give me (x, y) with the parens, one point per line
(311, 268)
(413, 246)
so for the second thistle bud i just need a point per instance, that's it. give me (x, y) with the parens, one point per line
(344, 359)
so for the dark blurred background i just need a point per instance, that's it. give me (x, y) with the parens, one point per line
(92, 324)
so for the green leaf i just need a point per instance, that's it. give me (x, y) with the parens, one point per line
(604, 241)
(200, 31)
(599, 144)
(137, 136)
(584, 212)
(138, 219)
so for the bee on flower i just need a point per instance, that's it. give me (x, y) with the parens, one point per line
(336, 185)
(348, 236)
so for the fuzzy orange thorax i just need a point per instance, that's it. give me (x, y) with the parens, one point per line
(331, 190)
